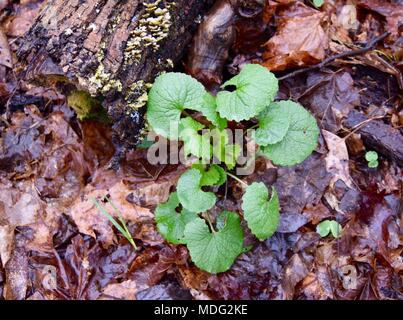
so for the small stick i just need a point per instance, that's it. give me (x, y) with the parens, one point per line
(237, 179)
(352, 53)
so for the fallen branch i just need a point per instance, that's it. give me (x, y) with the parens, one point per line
(378, 135)
(352, 53)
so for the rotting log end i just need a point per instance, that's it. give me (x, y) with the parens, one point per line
(113, 49)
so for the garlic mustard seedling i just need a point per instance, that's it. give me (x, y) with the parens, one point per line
(286, 134)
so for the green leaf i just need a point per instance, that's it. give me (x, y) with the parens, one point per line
(224, 152)
(209, 110)
(194, 143)
(215, 251)
(318, 3)
(373, 164)
(170, 94)
(256, 88)
(190, 194)
(170, 223)
(214, 176)
(273, 125)
(371, 156)
(261, 214)
(232, 152)
(327, 226)
(300, 140)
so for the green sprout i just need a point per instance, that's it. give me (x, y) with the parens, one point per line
(318, 3)
(372, 158)
(329, 226)
(122, 227)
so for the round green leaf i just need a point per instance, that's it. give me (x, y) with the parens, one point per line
(273, 125)
(261, 214)
(256, 88)
(170, 94)
(215, 251)
(300, 140)
(190, 194)
(373, 164)
(209, 110)
(371, 156)
(171, 224)
(214, 176)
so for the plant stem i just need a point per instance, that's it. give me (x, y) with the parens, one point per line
(237, 179)
(209, 222)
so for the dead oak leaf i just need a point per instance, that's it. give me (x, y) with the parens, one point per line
(300, 39)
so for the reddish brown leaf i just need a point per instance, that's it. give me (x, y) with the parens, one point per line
(300, 39)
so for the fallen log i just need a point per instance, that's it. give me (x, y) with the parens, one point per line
(378, 135)
(110, 48)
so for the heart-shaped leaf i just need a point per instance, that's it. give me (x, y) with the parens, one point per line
(273, 125)
(170, 223)
(213, 176)
(327, 226)
(256, 88)
(261, 214)
(190, 194)
(215, 251)
(170, 94)
(300, 140)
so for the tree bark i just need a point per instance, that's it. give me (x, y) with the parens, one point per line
(110, 48)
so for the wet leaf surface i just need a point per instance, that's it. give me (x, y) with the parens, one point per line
(300, 38)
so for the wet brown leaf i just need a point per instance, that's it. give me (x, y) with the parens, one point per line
(125, 290)
(303, 184)
(91, 221)
(5, 54)
(16, 275)
(337, 160)
(392, 12)
(330, 96)
(24, 16)
(295, 271)
(300, 39)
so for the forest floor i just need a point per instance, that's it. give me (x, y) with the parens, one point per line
(55, 244)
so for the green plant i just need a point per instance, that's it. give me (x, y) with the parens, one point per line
(286, 134)
(121, 225)
(329, 226)
(372, 159)
(318, 3)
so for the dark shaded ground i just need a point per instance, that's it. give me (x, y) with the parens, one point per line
(51, 164)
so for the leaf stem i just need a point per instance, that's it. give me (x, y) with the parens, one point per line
(237, 179)
(210, 223)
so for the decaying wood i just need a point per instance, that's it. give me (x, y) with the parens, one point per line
(215, 37)
(110, 48)
(378, 135)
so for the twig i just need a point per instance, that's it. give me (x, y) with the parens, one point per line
(352, 53)
(237, 179)
(362, 124)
